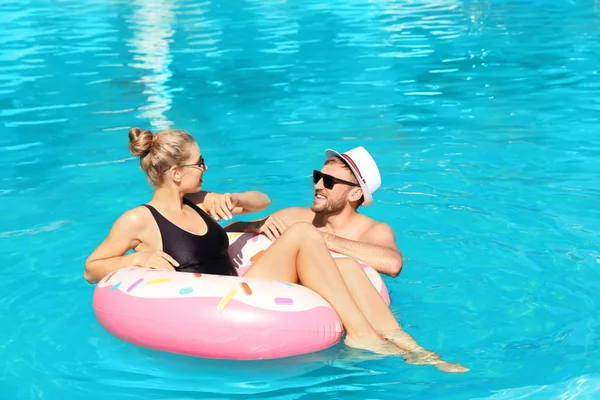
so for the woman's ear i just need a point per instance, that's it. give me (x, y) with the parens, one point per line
(175, 174)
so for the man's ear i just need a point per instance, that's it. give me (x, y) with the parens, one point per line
(356, 194)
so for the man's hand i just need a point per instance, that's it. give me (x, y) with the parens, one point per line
(272, 227)
(223, 205)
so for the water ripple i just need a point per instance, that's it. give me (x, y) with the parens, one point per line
(33, 231)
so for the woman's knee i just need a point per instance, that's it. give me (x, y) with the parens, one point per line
(305, 231)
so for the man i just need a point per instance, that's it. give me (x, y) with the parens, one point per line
(345, 182)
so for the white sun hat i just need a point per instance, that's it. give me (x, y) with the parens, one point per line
(363, 167)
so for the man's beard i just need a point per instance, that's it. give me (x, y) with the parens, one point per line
(328, 207)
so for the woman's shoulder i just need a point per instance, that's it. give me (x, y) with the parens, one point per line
(136, 219)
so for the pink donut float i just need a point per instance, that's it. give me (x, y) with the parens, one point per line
(223, 317)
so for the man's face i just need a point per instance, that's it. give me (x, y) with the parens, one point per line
(332, 201)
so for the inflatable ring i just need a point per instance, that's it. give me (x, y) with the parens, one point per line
(223, 317)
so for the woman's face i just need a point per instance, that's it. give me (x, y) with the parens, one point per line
(192, 170)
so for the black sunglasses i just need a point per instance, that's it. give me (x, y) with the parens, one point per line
(200, 164)
(329, 181)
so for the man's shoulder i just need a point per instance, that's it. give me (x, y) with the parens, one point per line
(367, 222)
(374, 228)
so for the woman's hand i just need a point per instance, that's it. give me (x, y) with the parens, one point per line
(223, 205)
(155, 259)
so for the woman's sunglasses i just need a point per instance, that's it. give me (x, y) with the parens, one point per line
(329, 181)
(200, 164)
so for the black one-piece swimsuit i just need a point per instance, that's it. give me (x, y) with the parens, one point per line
(206, 254)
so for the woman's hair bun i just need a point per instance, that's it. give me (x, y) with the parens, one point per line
(140, 142)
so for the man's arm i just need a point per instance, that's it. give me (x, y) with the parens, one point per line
(245, 226)
(273, 225)
(252, 226)
(376, 248)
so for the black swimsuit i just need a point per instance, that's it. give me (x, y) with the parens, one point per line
(206, 254)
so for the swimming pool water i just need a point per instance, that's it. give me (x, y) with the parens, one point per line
(483, 116)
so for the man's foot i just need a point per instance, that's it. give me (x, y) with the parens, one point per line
(450, 367)
(421, 357)
(379, 346)
(415, 354)
(424, 357)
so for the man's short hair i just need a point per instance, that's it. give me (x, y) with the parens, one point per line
(340, 161)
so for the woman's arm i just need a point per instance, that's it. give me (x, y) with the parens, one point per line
(124, 235)
(225, 206)
(251, 201)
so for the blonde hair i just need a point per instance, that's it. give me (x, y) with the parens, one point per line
(160, 151)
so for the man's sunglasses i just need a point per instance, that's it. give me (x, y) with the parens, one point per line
(200, 164)
(329, 181)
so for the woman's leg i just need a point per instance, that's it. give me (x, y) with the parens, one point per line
(382, 319)
(300, 255)
(369, 301)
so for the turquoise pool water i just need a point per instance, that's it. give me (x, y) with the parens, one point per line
(483, 115)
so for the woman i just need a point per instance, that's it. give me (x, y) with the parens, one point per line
(174, 231)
